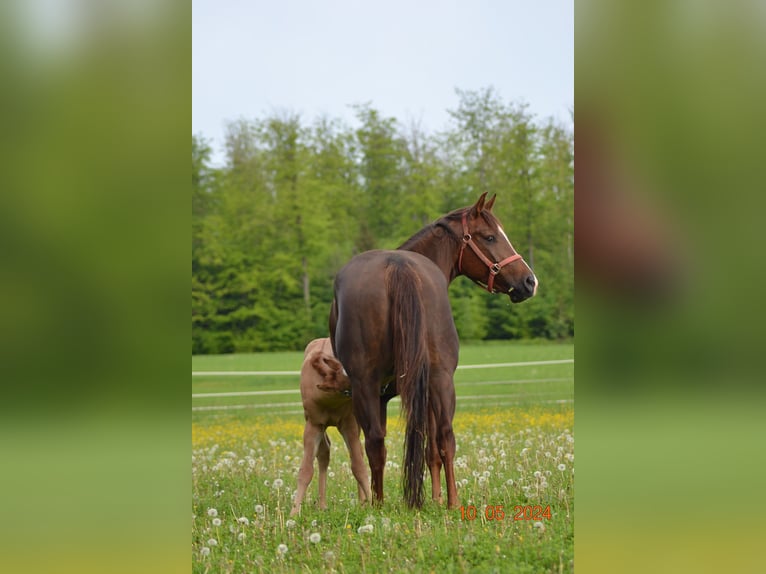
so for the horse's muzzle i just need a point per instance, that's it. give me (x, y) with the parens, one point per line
(527, 289)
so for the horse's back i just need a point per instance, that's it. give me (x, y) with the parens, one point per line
(362, 308)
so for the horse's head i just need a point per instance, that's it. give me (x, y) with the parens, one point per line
(487, 256)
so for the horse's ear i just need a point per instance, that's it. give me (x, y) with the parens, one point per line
(479, 205)
(490, 203)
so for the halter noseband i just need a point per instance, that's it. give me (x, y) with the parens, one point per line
(494, 268)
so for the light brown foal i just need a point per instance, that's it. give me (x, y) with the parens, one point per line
(326, 403)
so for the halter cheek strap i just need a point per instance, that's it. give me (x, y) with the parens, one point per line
(494, 268)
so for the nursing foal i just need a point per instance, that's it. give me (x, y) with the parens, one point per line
(327, 403)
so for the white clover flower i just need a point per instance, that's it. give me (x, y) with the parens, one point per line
(290, 523)
(212, 512)
(205, 551)
(259, 509)
(212, 542)
(243, 520)
(282, 549)
(562, 467)
(366, 529)
(278, 483)
(315, 538)
(216, 521)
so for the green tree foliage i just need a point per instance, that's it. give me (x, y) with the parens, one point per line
(296, 200)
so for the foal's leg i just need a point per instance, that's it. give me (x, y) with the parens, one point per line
(442, 397)
(311, 436)
(433, 458)
(349, 429)
(323, 458)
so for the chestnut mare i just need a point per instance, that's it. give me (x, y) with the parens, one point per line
(392, 329)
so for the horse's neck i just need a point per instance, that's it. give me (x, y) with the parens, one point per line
(438, 249)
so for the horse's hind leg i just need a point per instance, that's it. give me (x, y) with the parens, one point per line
(311, 436)
(367, 407)
(433, 458)
(349, 429)
(442, 397)
(323, 458)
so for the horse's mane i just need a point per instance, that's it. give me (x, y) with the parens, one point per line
(426, 231)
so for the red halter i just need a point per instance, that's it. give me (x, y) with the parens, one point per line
(494, 268)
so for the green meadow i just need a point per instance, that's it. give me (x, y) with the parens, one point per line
(514, 468)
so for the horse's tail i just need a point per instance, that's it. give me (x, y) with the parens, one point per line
(411, 363)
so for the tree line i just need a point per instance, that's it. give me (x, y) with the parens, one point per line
(295, 200)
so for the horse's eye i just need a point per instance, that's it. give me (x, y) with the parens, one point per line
(490, 238)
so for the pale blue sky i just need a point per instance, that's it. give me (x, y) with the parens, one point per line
(406, 57)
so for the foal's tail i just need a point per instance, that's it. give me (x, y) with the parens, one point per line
(411, 371)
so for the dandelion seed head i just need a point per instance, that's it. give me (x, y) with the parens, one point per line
(315, 538)
(241, 536)
(205, 551)
(259, 509)
(366, 529)
(243, 520)
(562, 467)
(290, 523)
(278, 483)
(212, 512)
(282, 549)
(216, 521)
(212, 542)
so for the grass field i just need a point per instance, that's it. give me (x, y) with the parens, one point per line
(515, 452)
